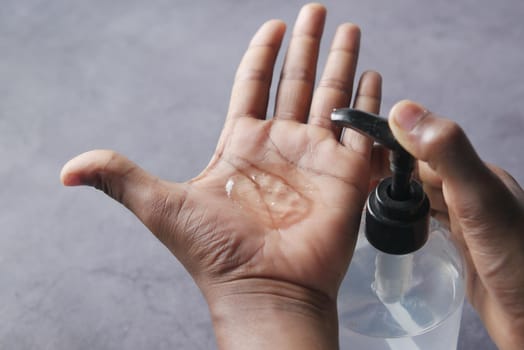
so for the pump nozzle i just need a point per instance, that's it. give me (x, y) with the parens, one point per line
(402, 163)
(398, 209)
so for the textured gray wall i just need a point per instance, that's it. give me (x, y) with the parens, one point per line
(151, 79)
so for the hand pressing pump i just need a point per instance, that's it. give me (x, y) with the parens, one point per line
(405, 286)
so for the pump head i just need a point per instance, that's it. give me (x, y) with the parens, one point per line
(397, 210)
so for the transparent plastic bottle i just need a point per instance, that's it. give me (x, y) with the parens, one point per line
(404, 289)
(409, 302)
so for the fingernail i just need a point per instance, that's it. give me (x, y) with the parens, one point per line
(407, 114)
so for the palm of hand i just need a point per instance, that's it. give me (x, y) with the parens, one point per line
(281, 200)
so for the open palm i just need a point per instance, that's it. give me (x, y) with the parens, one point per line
(281, 199)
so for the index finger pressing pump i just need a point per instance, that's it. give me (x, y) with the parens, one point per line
(405, 285)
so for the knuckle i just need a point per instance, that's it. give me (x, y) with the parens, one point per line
(104, 184)
(298, 74)
(253, 74)
(509, 181)
(335, 84)
(103, 177)
(453, 132)
(504, 175)
(445, 136)
(115, 175)
(110, 163)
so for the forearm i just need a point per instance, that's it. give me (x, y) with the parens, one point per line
(270, 319)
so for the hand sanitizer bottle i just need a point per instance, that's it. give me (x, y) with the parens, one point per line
(405, 287)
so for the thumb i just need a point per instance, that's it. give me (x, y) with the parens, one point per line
(471, 190)
(150, 199)
(439, 142)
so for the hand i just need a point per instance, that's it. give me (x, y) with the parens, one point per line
(267, 229)
(484, 207)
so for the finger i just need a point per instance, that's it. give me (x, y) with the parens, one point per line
(436, 198)
(147, 197)
(335, 86)
(476, 196)
(509, 181)
(367, 98)
(250, 92)
(428, 176)
(298, 73)
(439, 142)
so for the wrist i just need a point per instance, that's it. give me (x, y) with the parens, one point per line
(258, 313)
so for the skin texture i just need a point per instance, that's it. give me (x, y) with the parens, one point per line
(484, 208)
(264, 267)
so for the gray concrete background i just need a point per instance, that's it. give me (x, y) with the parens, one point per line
(151, 79)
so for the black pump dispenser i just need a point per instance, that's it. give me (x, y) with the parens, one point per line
(397, 210)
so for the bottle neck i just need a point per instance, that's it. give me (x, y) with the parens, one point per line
(393, 274)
